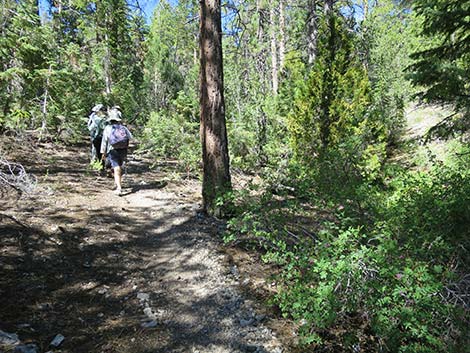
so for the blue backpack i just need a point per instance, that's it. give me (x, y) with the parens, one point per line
(118, 137)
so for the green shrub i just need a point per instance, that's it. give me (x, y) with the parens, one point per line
(395, 283)
(349, 276)
(171, 135)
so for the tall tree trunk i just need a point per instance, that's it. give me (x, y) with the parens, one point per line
(107, 66)
(366, 8)
(274, 63)
(261, 56)
(328, 7)
(282, 35)
(44, 101)
(216, 177)
(312, 31)
(107, 56)
(261, 20)
(328, 79)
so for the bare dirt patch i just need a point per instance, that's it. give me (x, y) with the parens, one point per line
(144, 272)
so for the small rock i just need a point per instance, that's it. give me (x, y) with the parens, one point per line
(26, 348)
(149, 324)
(260, 317)
(149, 312)
(143, 296)
(245, 323)
(234, 271)
(8, 339)
(44, 306)
(57, 341)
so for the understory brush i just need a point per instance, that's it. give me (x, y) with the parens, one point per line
(369, 266)
(171, 135)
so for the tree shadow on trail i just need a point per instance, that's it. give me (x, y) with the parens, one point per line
(83, 282)
(77, 270)
(147, 186)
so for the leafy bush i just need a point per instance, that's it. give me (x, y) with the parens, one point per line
(171, 135)
(349, 276)
(396, 283)
(17, 120)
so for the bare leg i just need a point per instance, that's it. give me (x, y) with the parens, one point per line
(118, 178)
(93, 153)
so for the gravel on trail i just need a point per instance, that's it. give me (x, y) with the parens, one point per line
(85, 270)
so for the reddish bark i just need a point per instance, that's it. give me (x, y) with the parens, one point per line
(216, 178)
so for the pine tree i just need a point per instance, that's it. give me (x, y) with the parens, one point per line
(331, 115)
(24, 46)
(388, 37)
(443, 67)
(216, 177)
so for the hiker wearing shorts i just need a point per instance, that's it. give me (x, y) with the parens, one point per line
(114, 146)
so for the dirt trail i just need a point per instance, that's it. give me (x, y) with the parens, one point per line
(139, 273)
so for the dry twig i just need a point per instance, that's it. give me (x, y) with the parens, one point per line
(15, 176)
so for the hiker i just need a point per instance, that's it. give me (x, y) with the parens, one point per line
(114, 146)
(96, 124)
(116, 109)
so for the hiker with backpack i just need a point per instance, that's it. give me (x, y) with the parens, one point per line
(114, 146)
(96, 123)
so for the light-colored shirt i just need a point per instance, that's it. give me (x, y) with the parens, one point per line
(105, 145)
(94, 123)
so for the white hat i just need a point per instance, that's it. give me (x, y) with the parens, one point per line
(114, 115)
(97, 108)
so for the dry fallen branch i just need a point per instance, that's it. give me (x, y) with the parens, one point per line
(458, 293)
(13, 219)
(15, 176)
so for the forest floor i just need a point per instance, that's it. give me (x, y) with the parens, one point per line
(144, 272)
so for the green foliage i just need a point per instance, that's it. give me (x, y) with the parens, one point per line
(95, 165)
(388, 269)
(389, 37)
(58, 67)
(442, 63)
(170, 65)
(332, 114)
(175, 134)
(256, 129)
(338, 137)
(348, 275)
(17, 121)
(388, 284)
(435, 205)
